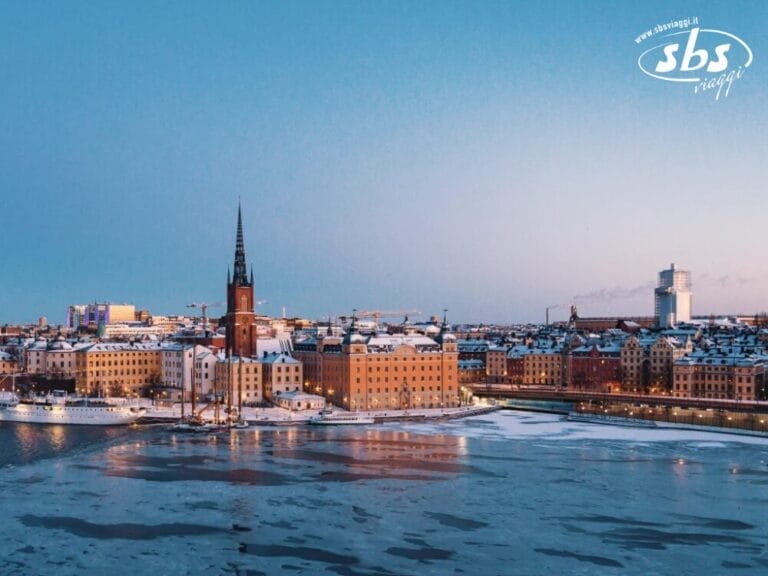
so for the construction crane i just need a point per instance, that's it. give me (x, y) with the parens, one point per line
(379, 314)
(204, 307)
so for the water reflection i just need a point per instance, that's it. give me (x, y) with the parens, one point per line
(312, 455)
(24, 443)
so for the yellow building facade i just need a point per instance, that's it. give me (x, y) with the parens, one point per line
(117, 369)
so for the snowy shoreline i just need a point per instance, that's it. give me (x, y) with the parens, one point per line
(274, 416)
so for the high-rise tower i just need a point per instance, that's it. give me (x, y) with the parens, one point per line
(240, 318)
(673, 297)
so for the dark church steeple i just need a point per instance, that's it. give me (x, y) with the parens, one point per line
(240, 319)
(241, 275)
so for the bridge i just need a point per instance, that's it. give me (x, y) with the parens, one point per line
(504, 391)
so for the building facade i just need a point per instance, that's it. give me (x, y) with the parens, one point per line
(382, 372)
(543, 367)
(91, 315)
(596, 368)
(635, 366)
(118, 369)
(241, 378)
(662, 355)
(282, 374)
(496, 365)
(673, 297)
(712, 376)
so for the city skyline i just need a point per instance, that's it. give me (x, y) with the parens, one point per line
(475, 158)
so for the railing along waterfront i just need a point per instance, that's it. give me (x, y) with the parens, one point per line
(751, 416)
(688, 417)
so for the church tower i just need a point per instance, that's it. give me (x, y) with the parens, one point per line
(240, 318)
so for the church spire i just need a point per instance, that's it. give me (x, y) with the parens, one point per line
(241, 275)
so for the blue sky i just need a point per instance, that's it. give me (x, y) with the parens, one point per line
(491, 158)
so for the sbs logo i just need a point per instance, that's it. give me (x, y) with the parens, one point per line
(690, 56)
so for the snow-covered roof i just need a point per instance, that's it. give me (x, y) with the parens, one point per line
(123, 347)
(279, 359)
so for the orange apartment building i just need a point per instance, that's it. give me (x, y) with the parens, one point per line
(382, 372)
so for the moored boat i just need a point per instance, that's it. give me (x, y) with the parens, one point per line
(332, 418)
(58, 408)
(197, 426)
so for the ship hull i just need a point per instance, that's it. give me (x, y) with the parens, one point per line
(76, 415)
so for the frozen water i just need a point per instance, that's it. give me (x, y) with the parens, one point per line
(504, 493)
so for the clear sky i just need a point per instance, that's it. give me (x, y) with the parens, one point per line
(491, 158)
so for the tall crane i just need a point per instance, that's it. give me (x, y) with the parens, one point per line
(378, 314)
(204, 307)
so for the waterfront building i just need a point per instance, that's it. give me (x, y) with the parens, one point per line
(673, 297)
(300, 401)
(596, 367)
(240, 319)
(382, 371)
(635, 365)
(241, 374)
(9, 366)
(282, 374)
(176, 361)
(55, 359)
(205, 371)
(496, 364)
(515, 365)
(118, 368)
(543, 366)
(662, 355)
(721, 374)
(34, 356)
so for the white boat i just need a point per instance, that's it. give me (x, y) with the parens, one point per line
(590, 418)
(57, 408)
(331, 418)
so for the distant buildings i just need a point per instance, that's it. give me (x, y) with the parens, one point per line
(673, 297)
(92, 315)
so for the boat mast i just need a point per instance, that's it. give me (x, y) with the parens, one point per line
(182, 384)
(240, 390)
(192, 380)
(229, 392)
